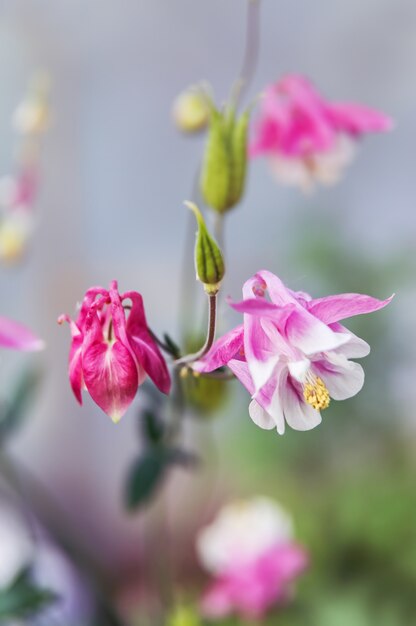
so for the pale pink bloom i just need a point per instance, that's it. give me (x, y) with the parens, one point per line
(250, 552)
(111, 352)
(307, 138)
(291, 352)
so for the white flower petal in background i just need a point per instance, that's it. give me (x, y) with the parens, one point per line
(241, 532)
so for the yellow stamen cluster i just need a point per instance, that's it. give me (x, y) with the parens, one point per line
(316, 394)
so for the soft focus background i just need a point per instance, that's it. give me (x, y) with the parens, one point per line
(114, 174)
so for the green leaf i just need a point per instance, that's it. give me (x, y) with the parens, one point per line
(23, 598)
(173, 347)
(148, 472)
(153, 427)
(12, 414)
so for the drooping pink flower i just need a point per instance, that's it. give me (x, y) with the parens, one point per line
(307, 138)
(291, 352)
(250, 552)
(15, 336)
(111, 352)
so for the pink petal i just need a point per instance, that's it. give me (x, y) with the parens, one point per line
(222, 351)
(18, 337)
(217, 601)
(145, 349)
(270, 397)
(260, 350)
(357, 119)
(111, 377)
(335, 308)
(240, 369)
(279, 293)
(260, 306)
(310, 335)
(75, 367)
(298, 414)
(109, 370)
(286, 562)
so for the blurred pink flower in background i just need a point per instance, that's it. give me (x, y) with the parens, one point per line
(18, 337)
(307, 138)
(110, 355)
(250, 552)
(291, 353)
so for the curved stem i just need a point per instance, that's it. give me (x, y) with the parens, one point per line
(251, 51)
(212, 323)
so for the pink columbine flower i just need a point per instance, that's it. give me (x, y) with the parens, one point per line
(307, 138)
(250, 552)
(111, 352)
(291, 352)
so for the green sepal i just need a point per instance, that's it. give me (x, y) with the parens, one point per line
(209, 262)
(224, 164)
(238, 149)
(215, 173)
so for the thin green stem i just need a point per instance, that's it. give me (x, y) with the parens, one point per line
(251, 52)
(212, 324)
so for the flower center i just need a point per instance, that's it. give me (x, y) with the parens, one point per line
(316, 394)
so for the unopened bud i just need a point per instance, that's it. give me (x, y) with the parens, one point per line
(209, 263)
(191, 111)
(32, 116)
(225, 160)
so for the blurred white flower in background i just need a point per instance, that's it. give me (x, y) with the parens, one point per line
(242, 531)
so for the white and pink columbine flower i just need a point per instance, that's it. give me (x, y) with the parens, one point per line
(112, 350)
(291, 352)
(250, 552)
(307, 138)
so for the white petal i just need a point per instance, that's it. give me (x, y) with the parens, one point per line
(299, 369)
(298, 414)
(260, 416)
(356, 348)
(262, 371)
(342, 378)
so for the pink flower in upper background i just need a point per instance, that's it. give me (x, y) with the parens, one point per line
(18, 337)
(110, 354)
(291, 353)
(307, 138)
(250, 551)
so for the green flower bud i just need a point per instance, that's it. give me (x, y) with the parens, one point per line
(209, 263)
(215, 174)
(238, 151)
(225, 160)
